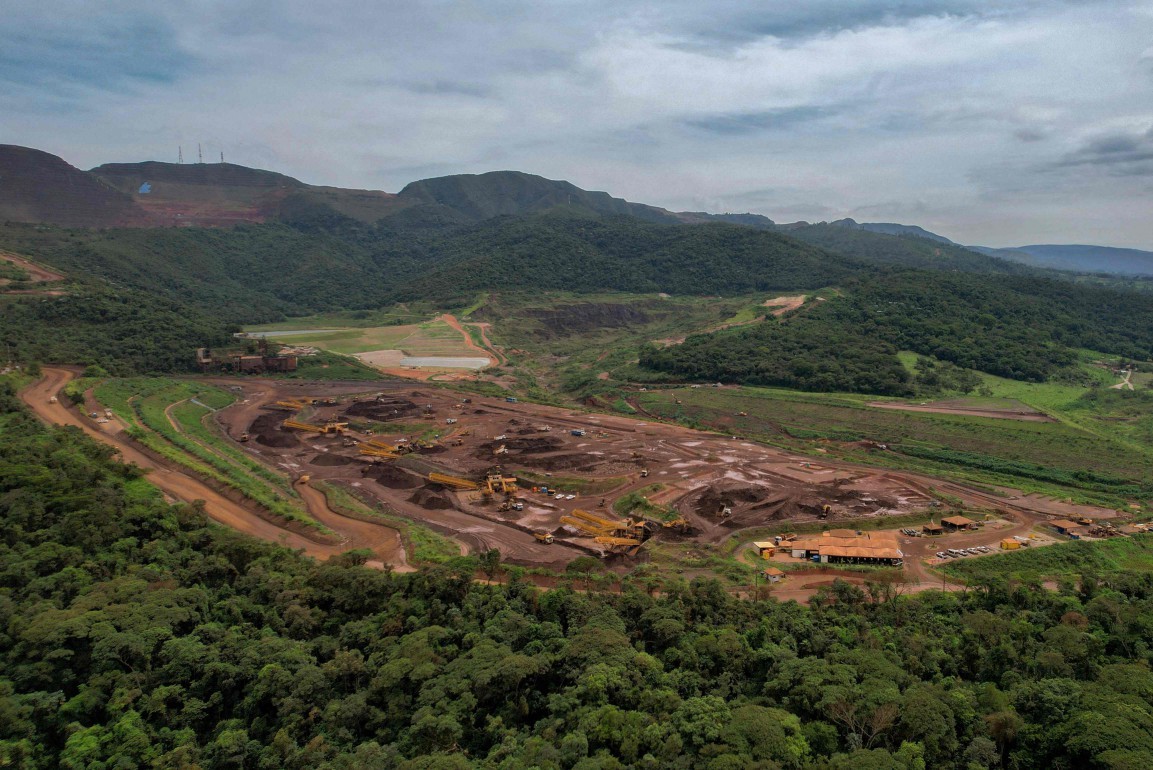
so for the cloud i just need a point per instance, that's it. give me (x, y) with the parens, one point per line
(965, 113)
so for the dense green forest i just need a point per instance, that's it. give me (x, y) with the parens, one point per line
(135, 634)
(1018, 326)
(125, 331)
(1022, 328)
(903, 250)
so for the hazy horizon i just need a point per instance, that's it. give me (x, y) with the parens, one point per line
(1000, 124)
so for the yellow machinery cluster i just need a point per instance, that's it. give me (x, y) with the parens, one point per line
(452, 481)
(599, 526)
(499, 484)
(329, 428)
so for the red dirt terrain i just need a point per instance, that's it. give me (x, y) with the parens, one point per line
(177, 483)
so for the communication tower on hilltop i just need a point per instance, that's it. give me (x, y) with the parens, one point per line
(179, 154)
(222, 157)
(199, 152)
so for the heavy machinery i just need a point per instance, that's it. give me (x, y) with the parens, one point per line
(329, 428)
(244, 437)
(544, 537)
(371, 451)
(378, 444)
(452, 481)
(498, 483)
(291, 404)
(304, 479)
(619, 544)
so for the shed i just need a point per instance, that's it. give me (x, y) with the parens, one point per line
(774, 575)
(958, 522)
(932, 529)
(765, 548)
(1063, 525)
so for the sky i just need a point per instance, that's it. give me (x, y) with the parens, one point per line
(999, 123)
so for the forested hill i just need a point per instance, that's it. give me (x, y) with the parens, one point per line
(903, 249)
(1015, 327)
(137, 634)
(557, 251)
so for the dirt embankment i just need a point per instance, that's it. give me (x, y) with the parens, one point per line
(353, 533)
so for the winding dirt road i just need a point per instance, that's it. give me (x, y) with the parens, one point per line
(383, 541)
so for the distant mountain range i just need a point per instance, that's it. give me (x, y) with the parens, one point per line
(38, 187)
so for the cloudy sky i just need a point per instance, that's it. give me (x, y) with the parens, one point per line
(1003, 122)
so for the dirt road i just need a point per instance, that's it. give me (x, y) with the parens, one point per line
(383, 541)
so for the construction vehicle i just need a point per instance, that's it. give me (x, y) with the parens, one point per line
(53, 400)
(543, 537)
(452, 481)
(329, 428)
(644, 473)
(824, 514)
(619, 544)
(449, 420)
(304, 479)
(498, 483)
(577, 432)
(543, 428)
(244, 437)
(371, 451)
(290, 405)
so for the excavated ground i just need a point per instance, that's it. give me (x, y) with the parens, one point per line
(696, 474)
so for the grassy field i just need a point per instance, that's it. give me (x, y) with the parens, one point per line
(430, 338)
(163, 414)
(1062, 561)
(1069, 458)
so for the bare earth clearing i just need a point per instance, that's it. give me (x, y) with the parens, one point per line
(697, 475)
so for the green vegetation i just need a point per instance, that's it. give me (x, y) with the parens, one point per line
(1107, 559)
(636, 504)
(10, 271)
(163, 418)
(1075, 457)
(137, 634)
(1021, 328)
(332, 366)
(421, 544)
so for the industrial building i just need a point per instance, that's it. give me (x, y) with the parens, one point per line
(846, 546)
(954, 523)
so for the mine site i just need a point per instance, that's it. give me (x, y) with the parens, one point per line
(544, 485)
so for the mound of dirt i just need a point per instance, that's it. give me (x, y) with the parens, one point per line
(395, 478)
(266, 428)
(435, 449)
(521, 446)
(714, 498)
(383, 410)
(570, 462)
(329, 460)
(430, 501)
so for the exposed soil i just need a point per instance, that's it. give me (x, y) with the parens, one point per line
(383, 410)
(266, 428)
(566, 320)
(330, 460)
(430, 500)
(393, 477)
